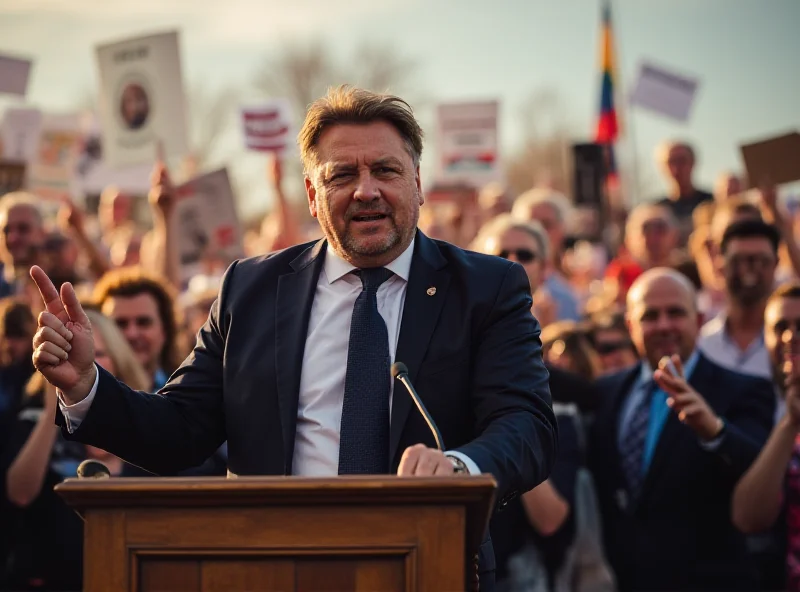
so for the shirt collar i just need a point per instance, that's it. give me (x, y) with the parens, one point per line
(688, 367)
(336, 267)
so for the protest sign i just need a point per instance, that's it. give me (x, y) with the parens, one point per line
(52, 173)
(268, 127)
(141, 99)
(20, 134)
(14, 74)
(208, 222)
(773, 160)
(664, 92)
(468, 143)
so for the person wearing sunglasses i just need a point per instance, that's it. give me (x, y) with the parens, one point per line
(609, 338)
(525, 243)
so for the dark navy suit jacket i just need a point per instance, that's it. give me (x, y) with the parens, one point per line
(679, 535)
(472, 350)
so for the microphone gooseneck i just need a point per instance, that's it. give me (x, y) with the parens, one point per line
(400, 372)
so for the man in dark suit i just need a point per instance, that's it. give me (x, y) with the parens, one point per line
(293, 366)
(668, 447)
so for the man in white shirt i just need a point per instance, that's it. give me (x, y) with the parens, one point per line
(293, 365)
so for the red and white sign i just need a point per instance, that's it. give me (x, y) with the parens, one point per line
(268, 127)
(468, 143)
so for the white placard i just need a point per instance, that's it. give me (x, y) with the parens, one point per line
(20, 134)
(268, 127)
(664, 92)
(468, 143)
(208, 222)
(14, 74)
(142, 99)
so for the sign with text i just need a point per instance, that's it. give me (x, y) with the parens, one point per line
(664, 92)
(20, 134)
(209, 224)
(468, 143)
(52, 174)
(14, 75)
(268, 127)
(142, 99)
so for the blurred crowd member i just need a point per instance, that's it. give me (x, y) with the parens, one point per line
(280, 229)
(771, 487)
(115, 214)
(196, 303)
(46, 547)
(667, 449)
(651, 240)
(493, 200)
(17, 326)
(527, 244)
(439, 220)
(728, 185)
(553, 211)
(734, 339)
(143, 307)
(609, 337)
(72, 222)
(22, 236)
(789, 259)
(159, 251)
(60, 258)
(565, 346)
(677, 160)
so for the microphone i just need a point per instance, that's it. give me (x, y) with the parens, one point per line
(400, 372)
(93, 469)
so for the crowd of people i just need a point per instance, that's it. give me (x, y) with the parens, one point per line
(673, 473)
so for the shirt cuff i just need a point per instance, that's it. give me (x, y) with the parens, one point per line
(75, 414)
(713, 445)
(471, 466)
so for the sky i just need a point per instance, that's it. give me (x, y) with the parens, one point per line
(746, 54)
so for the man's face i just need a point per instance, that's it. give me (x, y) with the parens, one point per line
(548, 217)
(365, 191)
(517, 245)
(138, 319)
(655, 240)
(614, 349)
(663, 320)
(679, 165)
(782, 334)
(21, 236)
(749, 269)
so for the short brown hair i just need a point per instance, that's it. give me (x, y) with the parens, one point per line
(787, 290)
(127, 282)
(346, 104)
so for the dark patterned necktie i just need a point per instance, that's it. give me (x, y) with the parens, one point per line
(633, 443)
(364, 435)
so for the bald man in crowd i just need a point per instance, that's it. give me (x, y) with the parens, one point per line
(673, 437)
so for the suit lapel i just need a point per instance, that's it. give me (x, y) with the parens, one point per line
(420, 314)
(292, 312)
(673, 428)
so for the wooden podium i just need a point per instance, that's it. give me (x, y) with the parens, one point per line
(281, 533)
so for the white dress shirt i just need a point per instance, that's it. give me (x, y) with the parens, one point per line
(319, 410)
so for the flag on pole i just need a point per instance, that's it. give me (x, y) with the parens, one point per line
(607, 130)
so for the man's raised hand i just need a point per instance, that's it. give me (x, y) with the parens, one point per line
(63, 346)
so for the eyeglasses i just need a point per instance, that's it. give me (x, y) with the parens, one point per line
(750, 261)
(610, 347)
(784, 325)
(521, 255)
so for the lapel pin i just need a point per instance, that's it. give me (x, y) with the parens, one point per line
(431, 291)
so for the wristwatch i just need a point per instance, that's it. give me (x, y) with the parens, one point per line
(459, 466)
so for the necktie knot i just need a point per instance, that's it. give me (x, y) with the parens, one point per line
(373, 277)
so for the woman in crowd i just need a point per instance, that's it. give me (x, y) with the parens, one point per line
(46, 551)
